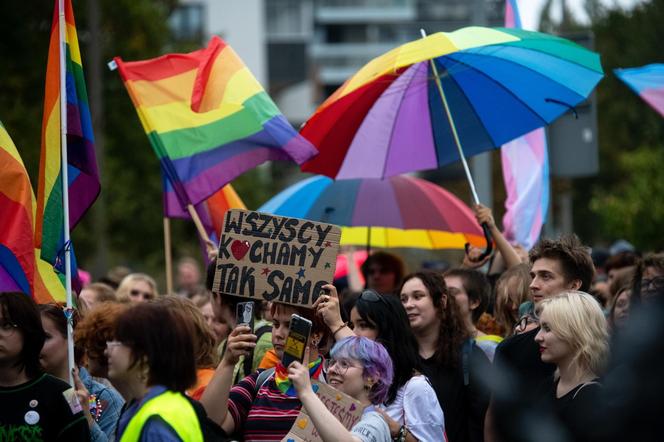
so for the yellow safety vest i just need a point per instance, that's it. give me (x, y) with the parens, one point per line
(174, 409)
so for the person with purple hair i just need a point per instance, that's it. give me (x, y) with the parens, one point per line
(362, 369)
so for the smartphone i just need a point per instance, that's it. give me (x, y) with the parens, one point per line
(244, 314)
(296, 342)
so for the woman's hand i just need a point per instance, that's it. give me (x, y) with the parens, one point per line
(391, 423)
(239, 343)
(484, 215)
(299, 375)
(83, 396)
(470, 259)
(327, 307)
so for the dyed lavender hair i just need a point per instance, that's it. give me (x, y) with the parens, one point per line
(374, 358)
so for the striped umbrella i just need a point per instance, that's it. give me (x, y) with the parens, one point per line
(647, 82)
(400, 211)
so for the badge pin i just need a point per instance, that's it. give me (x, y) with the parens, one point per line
(31, 417)
(33, 403)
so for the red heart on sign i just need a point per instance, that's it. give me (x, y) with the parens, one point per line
(240, 248)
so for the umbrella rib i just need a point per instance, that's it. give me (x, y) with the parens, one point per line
(470, 105)
(405, 90)
(531, 69)
(506, 89)
(523, 67)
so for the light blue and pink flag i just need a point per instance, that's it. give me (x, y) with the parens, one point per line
(525, 172)
(648, 82)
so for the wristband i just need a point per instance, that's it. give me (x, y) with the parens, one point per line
(334, 333)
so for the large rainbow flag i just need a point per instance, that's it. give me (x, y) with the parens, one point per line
(525, 164)
(208, 121)
(83, 177)
(648, 82)
(21, 269)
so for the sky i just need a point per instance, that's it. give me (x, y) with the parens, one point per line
(530, 9)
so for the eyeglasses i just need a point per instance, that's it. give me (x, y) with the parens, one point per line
(146, 295)
(7, 328)
(653, 285)
(523, 322)
(112, 344)
(342, 365)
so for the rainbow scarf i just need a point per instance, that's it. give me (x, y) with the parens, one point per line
(285, 385)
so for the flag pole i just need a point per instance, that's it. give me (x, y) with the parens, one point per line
(168, 256)
(65, 185)
(209, 245)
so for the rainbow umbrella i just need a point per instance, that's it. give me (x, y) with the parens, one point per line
(400, 211)
(647, 82)
(430, 102)
(418, 105)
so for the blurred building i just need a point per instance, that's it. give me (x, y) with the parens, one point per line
(302, 50)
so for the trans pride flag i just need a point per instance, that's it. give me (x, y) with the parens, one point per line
(647, 82)
(21, 269)
(525, 172)
(208, 120)
(83, 177)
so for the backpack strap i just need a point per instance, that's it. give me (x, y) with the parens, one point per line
(466, 350)
(263, 377)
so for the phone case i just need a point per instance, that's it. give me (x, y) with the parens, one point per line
(296, 342)
(244, 313)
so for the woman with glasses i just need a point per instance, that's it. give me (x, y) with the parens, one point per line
(33, 405)
(448, 356)
(101, 404)
(137, 287)
(574, 337)
(360, 368)
(410, 400)
(151, 362)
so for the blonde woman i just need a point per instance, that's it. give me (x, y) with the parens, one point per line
(137, 287)
(574, 337)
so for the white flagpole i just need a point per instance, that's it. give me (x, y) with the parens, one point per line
(65, 183)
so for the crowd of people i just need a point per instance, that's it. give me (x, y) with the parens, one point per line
(558, 344)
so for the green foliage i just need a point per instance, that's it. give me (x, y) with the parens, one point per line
(628, 195)
(634, 208)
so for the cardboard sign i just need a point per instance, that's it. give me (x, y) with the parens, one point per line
(345, 409)
(274, 258)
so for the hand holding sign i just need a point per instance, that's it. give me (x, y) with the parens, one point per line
(274, 258)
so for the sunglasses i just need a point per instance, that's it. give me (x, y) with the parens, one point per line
(371, 296)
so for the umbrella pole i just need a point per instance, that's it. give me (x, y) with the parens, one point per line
(368, 240)
(448, 114)
(469, 177)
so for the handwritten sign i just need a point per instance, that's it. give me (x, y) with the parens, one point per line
(275, 258)
(345, 409)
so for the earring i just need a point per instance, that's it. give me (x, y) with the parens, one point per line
(315, 342)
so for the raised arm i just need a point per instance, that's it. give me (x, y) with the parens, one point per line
(215, 398)
(328, 427)
(327, 307)
(484, 214)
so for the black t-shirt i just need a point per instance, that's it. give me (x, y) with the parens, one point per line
(519, 375)
(464, 403)
(575, 414)
(40, 410)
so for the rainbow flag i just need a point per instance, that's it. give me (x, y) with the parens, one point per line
(208, 121)
(83, 177)
(525, 173)
(648, 82)
(21, 269)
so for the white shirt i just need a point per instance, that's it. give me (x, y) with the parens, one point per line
(416, 406)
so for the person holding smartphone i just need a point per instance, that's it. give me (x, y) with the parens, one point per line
(263, 405)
